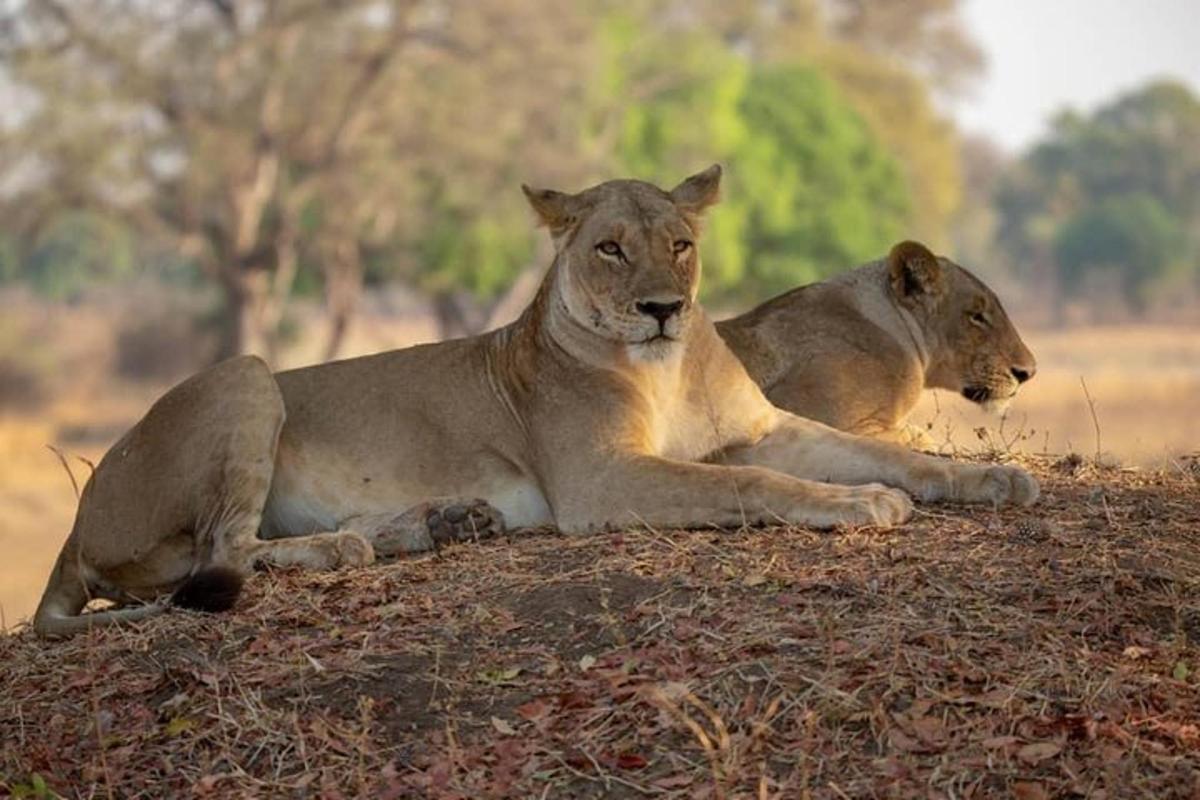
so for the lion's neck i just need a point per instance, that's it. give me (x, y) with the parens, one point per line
(545, 335)
(874, 299)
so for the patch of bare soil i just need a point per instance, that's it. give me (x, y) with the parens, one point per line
(1044, 652)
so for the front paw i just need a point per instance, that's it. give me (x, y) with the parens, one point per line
(351, 549)
(463, 521)
(1001, 485)
(876, 505)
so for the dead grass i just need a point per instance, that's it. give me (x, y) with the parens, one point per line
(1025, 653)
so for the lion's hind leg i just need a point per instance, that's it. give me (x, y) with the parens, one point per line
(67, 593)
(163, 504)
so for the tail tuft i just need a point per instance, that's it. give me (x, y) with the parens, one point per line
(212, 589)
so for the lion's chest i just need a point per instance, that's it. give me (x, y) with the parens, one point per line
(688, 421)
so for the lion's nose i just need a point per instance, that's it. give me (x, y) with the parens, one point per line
(1023, 374)
(660, 311)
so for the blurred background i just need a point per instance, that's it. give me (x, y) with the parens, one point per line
(183, 180)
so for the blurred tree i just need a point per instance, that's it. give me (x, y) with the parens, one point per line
(887, 59)
(677, 85)
(1133, 163)
(983, 166)
(927, 35)
(899, 109)
(219, 125)
(1131, 235)
(340, 142)
(809, 190)
(77, 250)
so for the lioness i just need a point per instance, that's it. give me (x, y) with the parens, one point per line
(855, 351)
(610, 402)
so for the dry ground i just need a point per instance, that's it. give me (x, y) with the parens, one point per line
(1043, 652)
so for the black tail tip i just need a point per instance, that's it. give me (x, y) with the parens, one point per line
(212, 589)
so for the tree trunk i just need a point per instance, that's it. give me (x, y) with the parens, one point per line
(242, 332)
(343, 286)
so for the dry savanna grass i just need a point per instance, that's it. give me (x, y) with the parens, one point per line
(1144, 385)
(1029, 653)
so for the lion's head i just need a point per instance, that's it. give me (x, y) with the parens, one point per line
(627, 258)
(974, 348)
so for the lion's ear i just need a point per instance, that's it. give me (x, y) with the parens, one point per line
(558, 211)
(697, 193)
(915, 273)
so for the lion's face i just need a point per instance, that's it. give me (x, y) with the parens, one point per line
(979, 353)
(627, 257)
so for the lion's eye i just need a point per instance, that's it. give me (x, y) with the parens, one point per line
(610, 248)
(681, 246)
(980, 319)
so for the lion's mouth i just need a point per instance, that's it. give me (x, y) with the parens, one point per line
(977, 394)
(989, 398)
(658, 337)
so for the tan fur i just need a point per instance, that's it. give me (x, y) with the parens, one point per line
(855, 352)
(611, 402)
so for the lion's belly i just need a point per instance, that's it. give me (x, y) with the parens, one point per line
(311, 494)
(521, 502)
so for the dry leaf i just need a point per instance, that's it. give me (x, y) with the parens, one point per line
(996, 742)
(902, 741)
(631, 761)
(1038, 751)
(1028, 790)
(533, 710)
(498, 675)
(503, 727)
(929, 729)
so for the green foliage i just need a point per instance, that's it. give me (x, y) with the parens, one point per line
(1118, 190)
(79, 249)
(898, 108)
(372, 141)
(1131, 234)
(480, 253)
(808, 189)
(35, 789)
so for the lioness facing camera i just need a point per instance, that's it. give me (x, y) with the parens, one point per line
(855, 351)
(610, 402)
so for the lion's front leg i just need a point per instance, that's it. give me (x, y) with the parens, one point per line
(814, 451)
(907, 435)
(661, 493)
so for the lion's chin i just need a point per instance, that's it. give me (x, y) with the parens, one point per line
(656, 348)
(988, 400)
(997, 405)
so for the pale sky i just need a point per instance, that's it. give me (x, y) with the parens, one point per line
(1044, 54)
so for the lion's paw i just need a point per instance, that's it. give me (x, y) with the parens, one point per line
(1001, 485)
(462, 521)
(877, 505)
(351, 549)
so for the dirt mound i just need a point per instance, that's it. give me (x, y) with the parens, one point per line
(1024, 653)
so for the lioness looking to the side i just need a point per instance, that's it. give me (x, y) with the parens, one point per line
(856, 351)
(610, 402)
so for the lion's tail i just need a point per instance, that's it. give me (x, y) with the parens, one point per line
(210, 589)
(59, 614)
